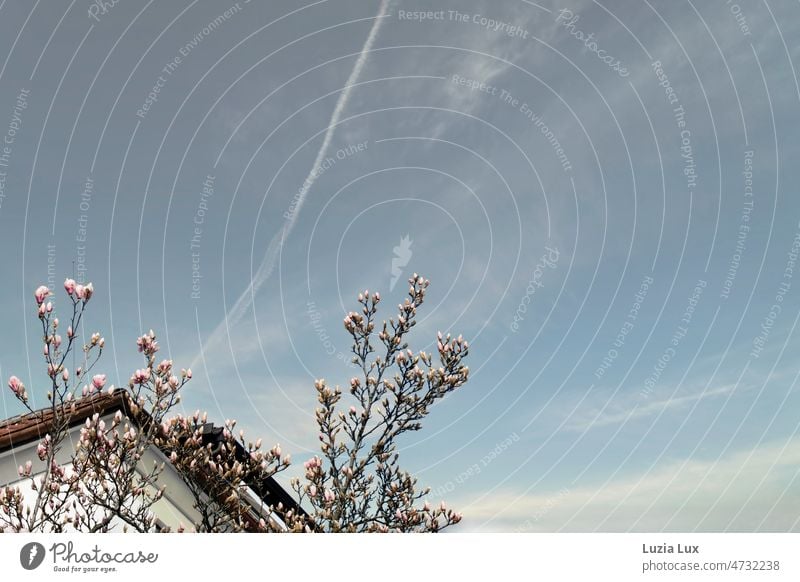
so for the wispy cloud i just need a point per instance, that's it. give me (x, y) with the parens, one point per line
(758, 486)
(640, 408)
(265, 269)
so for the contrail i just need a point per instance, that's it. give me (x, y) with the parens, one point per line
(239, 309)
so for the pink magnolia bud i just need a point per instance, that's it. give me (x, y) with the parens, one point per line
(173, 457)
(41, 294)
(57, 341)
(99, 380)
(16, 385)
(70, 333)
(141, 376)
(88, 291)
(79, 291)
(312, 491)
(65, 375)
(329, 496)
(69, 286)
(49, 307)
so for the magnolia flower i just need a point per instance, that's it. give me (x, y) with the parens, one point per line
(141, 376)
(147, 343)
(313, 463)
(16, 385)
(99, 380)
(69, 286)
(329, 496)
(41, 294)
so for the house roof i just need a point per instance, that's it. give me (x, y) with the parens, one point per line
(20, 430)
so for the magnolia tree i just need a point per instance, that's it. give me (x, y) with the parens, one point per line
(102, 480)
(357, 485)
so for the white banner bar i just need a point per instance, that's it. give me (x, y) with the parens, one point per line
(619, 557)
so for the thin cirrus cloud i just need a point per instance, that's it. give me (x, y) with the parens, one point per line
(236, 313)
(676, 494)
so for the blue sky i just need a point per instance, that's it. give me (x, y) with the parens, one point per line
(601, 194)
